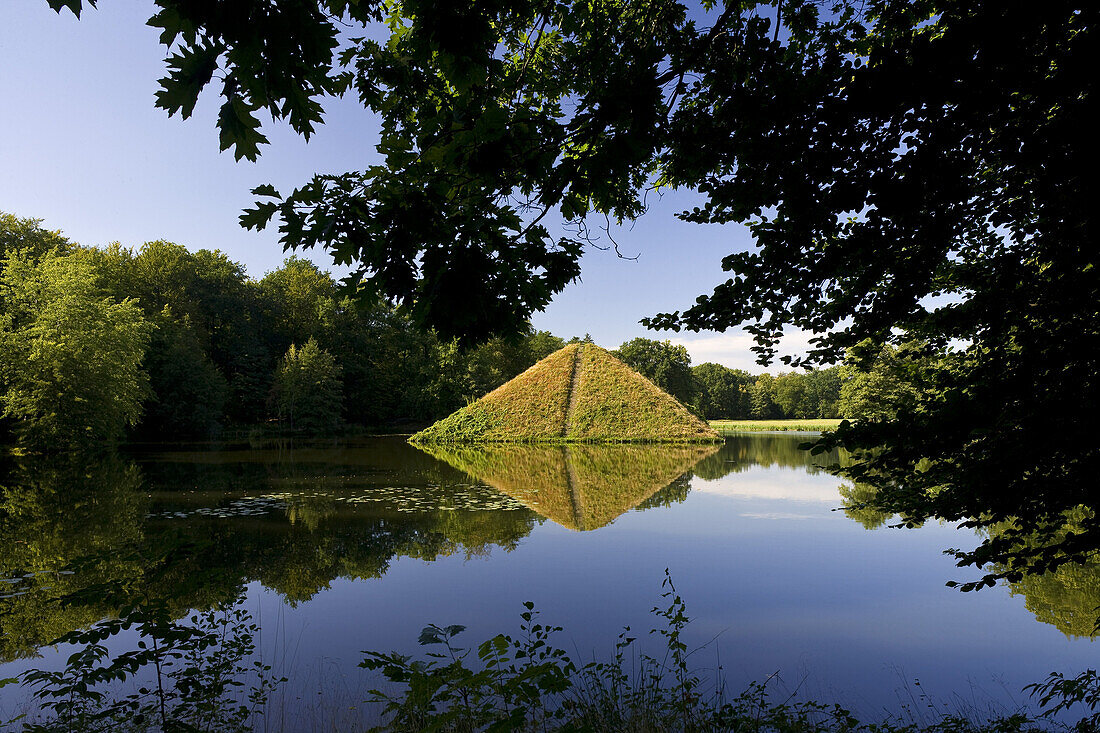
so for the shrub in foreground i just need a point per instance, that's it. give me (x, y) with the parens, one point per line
(203, 676)
(527, 684)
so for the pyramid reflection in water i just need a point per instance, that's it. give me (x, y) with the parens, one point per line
(581, 487)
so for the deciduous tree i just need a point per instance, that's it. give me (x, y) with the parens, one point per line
(308, 387)
(721, 392)
(70, 356)
(665, 364)
(28, 236)
(300, 300)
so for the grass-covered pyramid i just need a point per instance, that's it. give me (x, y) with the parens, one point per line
(578, 394)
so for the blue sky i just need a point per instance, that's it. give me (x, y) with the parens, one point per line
(82, 147)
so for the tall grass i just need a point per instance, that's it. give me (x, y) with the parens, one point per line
(529, 408)
(732, 427)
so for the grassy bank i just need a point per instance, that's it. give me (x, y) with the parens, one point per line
(726, 427)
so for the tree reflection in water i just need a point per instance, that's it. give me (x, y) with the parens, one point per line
(82, 537)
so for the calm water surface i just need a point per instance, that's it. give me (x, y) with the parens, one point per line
(357, 546)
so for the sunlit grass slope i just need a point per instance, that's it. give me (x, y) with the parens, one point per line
(580, 394)
(616, 403)
(581, 487)
(529, 408)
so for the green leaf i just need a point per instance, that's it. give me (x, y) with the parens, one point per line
(190, 71)
(74, 5)
(258, 216)
(240, 130)
(266, 189)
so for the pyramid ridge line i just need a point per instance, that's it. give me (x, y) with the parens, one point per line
(571, 405)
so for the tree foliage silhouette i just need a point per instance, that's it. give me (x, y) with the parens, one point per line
(909, 169)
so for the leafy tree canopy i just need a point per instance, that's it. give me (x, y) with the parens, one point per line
(878, 381)
(910, 169)
(70, 357)
(302, 298)
(721, 392)
(665, 364)
(29, 236)
(308, 388)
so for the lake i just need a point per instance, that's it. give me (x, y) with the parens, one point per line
(357, 545)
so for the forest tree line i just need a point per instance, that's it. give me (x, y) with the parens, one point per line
(716, 392)
(159, 342)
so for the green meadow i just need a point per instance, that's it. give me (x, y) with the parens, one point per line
(726, 427)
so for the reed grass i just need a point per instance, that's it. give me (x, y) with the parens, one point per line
(730, 427)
